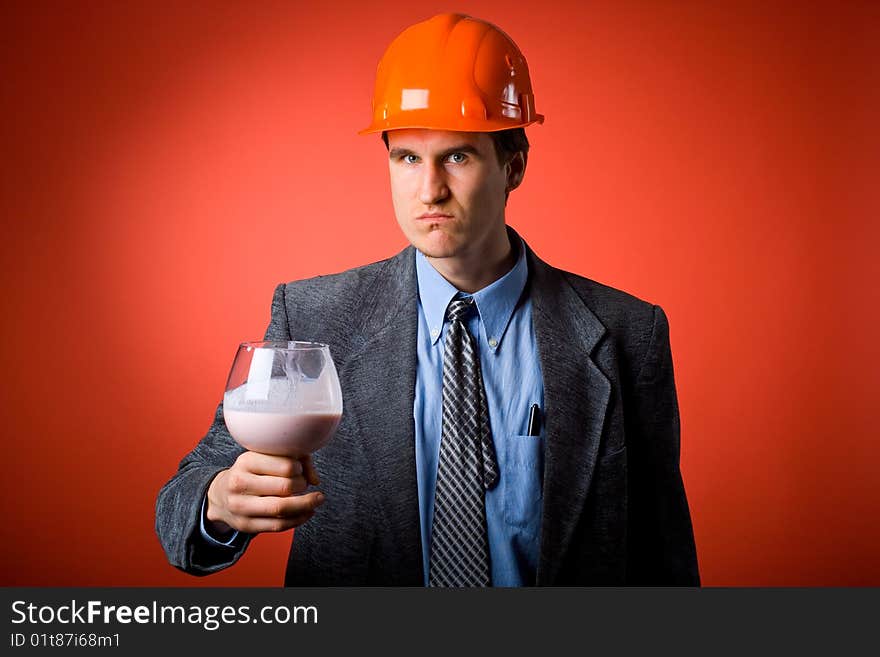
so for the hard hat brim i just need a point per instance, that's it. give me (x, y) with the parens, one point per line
(460, 125)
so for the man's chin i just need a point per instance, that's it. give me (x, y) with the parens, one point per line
(437, 246)
(436, 252)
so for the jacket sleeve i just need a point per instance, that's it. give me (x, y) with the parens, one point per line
(179, 503)
(660, 539)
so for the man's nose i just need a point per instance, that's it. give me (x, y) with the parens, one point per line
(433, 189)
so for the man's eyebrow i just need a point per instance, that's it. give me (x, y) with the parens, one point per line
(398, 152)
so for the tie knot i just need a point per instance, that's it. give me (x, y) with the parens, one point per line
(459, 309)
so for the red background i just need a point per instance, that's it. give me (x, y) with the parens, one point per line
(165, 167)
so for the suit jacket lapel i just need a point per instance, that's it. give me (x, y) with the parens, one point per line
(381, 373)
(576, 396)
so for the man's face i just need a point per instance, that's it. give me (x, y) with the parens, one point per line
(448, 190)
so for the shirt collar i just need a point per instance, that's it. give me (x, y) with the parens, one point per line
(495, 303)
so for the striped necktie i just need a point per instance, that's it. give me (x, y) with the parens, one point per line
(467, 466)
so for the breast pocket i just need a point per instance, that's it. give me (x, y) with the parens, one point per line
(522, 481)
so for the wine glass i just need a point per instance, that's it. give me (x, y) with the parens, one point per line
(282, 398)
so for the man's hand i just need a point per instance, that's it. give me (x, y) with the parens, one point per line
(261, 493)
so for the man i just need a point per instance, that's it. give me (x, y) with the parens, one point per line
(505, 423)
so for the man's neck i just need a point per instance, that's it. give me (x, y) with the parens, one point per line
(473, 271)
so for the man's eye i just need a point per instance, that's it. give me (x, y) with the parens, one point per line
(457, 158)
(410, 158)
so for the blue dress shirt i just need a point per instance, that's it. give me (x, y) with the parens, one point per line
(512, 377)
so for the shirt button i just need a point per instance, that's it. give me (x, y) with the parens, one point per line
(493, 342)
(435, 332)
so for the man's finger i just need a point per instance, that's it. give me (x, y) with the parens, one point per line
(248, 506)
(245, 483)
(260, 525)
(267, 464)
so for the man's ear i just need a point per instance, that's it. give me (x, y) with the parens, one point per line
(516, 169)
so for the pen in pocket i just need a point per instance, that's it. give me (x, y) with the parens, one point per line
(534, 421)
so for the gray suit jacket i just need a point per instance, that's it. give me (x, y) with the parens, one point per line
(614, 506)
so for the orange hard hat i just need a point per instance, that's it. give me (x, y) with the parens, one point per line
(453, 72)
